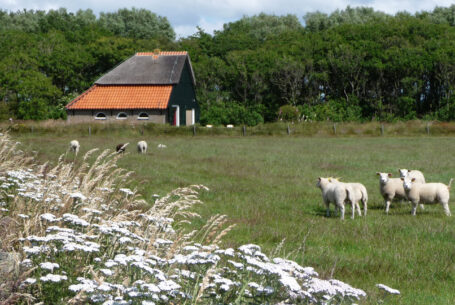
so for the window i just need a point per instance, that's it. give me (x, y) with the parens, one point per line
(100, 116)
(122, 116)
(143, 116)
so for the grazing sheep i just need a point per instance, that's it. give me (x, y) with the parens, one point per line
(74, 146)
(120, 148)
(142, 147)
(336, 192)
(412, 173)
(427, 193)
(390, 188)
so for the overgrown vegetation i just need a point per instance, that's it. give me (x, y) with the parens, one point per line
(266, 186)
(84, 239)
(352, 65)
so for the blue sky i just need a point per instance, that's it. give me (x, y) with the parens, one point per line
(186, 15)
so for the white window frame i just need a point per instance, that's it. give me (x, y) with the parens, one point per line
(122, 118)
(177, 114)
(100, 118)
(143, 118)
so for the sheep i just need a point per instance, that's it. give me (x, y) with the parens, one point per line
(120, 148)
(412, 174)
(390, 188)
(74, 146)
(337, 193)
(427, 193)
(360, 194)
(142, 147)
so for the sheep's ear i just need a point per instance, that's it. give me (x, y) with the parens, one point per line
(413, 179)
(390, 175)
(377, 173)
(319, 178)
(402, 179)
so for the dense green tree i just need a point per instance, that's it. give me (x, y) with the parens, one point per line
(137, 23)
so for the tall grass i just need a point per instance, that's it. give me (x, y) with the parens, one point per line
(318, 129)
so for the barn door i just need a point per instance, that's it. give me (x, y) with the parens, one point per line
(190, 117)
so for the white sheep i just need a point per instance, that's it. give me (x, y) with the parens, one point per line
(74, 146)
(360, 194)
(142, 147)
(427, 193)
(412, 173)
(336, 193)
(390, 188)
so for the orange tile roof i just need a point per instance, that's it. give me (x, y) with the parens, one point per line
(122, 97)
(162, 53)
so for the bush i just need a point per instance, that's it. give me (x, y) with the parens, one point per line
(288, 113)
(231, 113)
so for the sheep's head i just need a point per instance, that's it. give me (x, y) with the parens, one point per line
(322, 182)
(407, 183)
(384, 177)
(404, 172)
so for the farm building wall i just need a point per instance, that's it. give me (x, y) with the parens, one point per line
(111, 116)
(184, 96)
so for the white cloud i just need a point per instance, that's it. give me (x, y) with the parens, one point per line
(210, 15)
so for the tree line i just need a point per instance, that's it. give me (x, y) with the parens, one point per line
(355, 64)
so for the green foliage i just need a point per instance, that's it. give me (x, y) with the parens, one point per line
(231, 113)
(289, 113)
(137, 23)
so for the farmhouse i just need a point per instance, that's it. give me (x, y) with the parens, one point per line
(153, 87)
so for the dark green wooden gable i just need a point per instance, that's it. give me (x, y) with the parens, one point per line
(184, 95)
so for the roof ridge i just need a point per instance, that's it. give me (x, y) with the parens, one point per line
(162, 53)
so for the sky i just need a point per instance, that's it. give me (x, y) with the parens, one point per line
(186, 15)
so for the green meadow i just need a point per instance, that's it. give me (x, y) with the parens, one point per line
(266, 186)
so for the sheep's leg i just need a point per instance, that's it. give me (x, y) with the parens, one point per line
(387, 206)
(414, 208)
(354, 206)
(342, 211)
(358, 208)
(365, 207)
(327, 207)
(422, 207)
(445, 205)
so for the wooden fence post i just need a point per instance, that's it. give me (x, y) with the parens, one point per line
(382, 129)
(89, 131)
(289, 130)
(194, 130)
(428, 129)
(244, 130)
(334, 128)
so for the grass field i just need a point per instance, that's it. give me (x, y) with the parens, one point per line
(266, 185)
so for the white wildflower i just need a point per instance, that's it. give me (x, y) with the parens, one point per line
(49, 266)
(78, 195)
(53, 278)
(387, 289)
